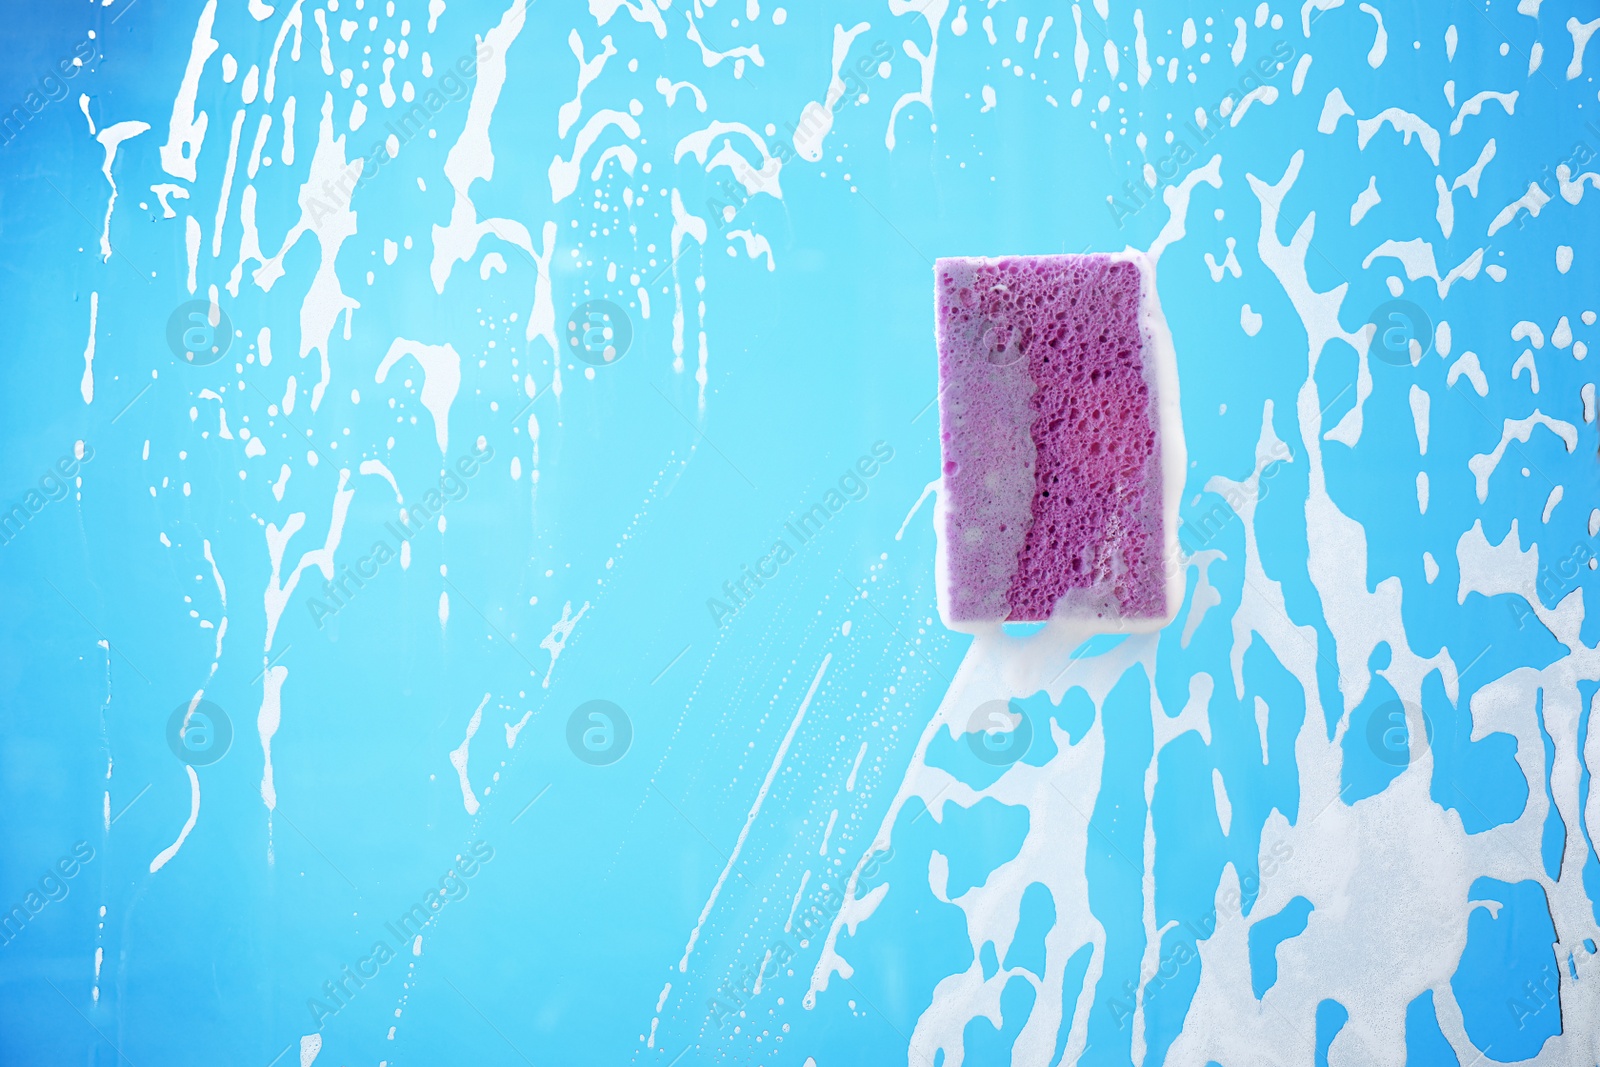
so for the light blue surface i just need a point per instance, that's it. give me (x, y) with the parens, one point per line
(556, 950)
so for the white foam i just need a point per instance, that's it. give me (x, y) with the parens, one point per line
(263, 127)
(1525, 362)
(1334, 108)
(712, 57)
(926, 490)
(755, 180)
(471, 159)
(1581, 32)
(644, 11)
(850, 782)
(441, 379)
(186, 132)
(1561, 336)
(458, 758)
(1550, 503)
(1249, 321)
(1229, 264)
(684, 224)
(1419, 416)
(1298, 81)
(1468, 179)
(1366, 201)
(1526, 330)
(542, 317)
(171, 850)
(670, 89)
(1141, 47)
(1406, 124)
(833, 817)
(513, 729)
(1467, 364)
(1224, 805)
(755, 245)
(1306, 9)
(292, 21)
(1474, 105)
(1416, 256)
(932, 12)
(1267, 94)
(1058, 796)
(1571, 187)
(555, 642)
(564, 173)
(86, 386)
(1205, 595)
(378, 467)
(110, 139)
(816, 117)
(227, 181)
(276, 598)
(755, 810)
(1380, 39)
(1531, 201)
(1483, 465)
(333, 224)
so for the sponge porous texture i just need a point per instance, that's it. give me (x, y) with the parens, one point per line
(1050, 438)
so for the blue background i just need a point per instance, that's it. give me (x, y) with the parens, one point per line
(649, 500)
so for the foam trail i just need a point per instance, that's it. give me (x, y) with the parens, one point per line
(276, 598)
(471, 159)
(755, 810)
(183, 835)
(186, 132)
(1057, 795)
(332, 224)
(110, 139)
(555, 642)
(458, 759)
(86, 387)
(227, 182)
(816, 118)
(927, 489)
(441, 379)
(933, 12)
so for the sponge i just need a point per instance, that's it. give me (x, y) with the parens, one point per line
(1062, 442)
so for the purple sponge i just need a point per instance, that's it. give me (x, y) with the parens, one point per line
(1063, 450)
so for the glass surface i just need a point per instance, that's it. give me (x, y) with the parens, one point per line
(469, 548)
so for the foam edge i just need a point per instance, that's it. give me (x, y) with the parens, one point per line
(1161, 365)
